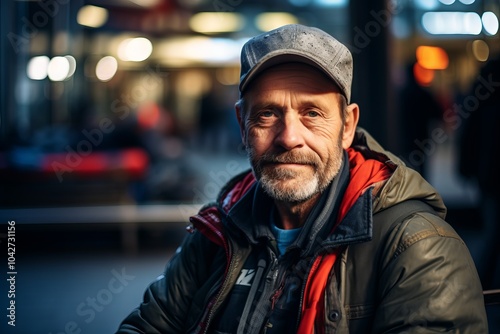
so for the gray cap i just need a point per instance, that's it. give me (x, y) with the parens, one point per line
(297, 43)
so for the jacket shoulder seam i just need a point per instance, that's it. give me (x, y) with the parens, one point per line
(436, 231)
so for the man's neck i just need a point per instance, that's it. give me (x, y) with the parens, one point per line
(294, 215)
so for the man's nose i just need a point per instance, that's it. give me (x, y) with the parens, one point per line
(290, 133)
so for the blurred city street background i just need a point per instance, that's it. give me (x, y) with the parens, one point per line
(117, 123)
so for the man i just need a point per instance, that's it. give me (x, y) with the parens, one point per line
(329, 233)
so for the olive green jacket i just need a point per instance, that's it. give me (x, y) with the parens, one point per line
(411, 273)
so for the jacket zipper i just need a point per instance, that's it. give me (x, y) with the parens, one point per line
(219, 294)
(277, 294)
(302, 291)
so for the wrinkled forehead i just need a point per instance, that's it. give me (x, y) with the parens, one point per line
(291, 75)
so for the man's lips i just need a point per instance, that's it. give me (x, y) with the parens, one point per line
(286, 164)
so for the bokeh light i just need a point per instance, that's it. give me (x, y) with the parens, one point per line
(106, 68)
(58, 69)
(135, 49)
(37, 67)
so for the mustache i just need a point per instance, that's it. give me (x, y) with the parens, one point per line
(289, 157)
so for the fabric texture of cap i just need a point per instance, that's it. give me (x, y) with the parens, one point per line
(297, 43)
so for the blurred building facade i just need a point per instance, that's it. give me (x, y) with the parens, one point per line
(120, 99)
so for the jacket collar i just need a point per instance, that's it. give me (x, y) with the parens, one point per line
(357, 225)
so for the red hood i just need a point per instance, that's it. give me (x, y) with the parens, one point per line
(208, 220)
(363, 173)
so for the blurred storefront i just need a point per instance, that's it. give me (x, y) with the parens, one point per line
(131, 101)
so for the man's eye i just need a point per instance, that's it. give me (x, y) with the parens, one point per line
(312, 113)
(267, 113)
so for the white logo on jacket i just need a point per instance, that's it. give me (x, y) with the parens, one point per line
(245, 277)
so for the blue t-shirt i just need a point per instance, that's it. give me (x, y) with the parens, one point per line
(284, 238)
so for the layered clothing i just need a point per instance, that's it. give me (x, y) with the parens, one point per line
(367, 260)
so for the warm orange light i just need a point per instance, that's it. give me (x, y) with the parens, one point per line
(423, 76)
(432, 57)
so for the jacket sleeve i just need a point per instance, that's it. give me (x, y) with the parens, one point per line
(429, 283)
(167, 301)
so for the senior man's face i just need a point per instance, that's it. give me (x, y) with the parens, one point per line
(293, 129)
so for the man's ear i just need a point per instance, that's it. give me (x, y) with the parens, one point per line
(241, 121)
(350, 124)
